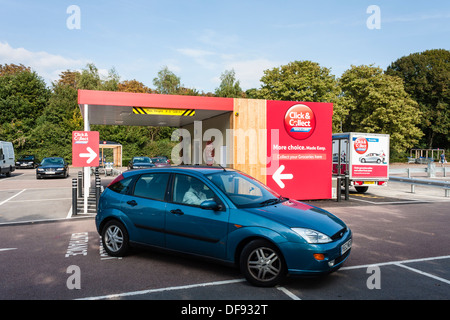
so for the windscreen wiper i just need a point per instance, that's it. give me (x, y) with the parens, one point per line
(270, 201)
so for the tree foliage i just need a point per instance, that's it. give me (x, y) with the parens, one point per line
(426, 77)
(378, 103)
(229, 87)
(410, 101)
(167, 82)
(301, 81)
(23, 97)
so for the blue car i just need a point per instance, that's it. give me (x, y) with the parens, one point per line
(140, 163)
(221, 214)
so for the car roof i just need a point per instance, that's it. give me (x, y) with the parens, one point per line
(192, 169)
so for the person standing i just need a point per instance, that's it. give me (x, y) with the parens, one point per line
(442, 159)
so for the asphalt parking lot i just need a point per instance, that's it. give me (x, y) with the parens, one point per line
(400, 251)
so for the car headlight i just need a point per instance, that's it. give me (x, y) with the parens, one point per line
(312, 236)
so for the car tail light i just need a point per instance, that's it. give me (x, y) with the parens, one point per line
(119, 177)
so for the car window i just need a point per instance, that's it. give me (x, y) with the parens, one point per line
(244, 191)
(191, 191)
(52, 161)
(152, 186)
(121, 186)
(142, 160)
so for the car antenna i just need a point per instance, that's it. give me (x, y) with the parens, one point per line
(222, 167)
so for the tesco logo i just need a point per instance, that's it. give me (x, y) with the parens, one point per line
(299, 121)
(361, 145)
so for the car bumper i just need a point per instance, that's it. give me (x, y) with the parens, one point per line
(51, 174)
(300, 258)
(25, 166)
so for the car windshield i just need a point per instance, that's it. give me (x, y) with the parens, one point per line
(142, 160)
(243, 190)
(159, 160)
(52, 161)
(27, 158)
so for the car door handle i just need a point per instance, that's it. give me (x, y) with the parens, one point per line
(177, 212)
(132, 203)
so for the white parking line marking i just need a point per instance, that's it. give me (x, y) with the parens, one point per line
(31, 200)
(288, 293)
(392, 202)
(7, 249)
(423, 273)
(393, 263)
(4, 201)
(134, 293)
(284, 290)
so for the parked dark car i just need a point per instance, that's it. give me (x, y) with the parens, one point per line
(28, 161)
(221, 214)
(161, 161)
(140, 163)
(52, 167)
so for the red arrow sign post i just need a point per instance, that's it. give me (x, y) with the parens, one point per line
(85, 145)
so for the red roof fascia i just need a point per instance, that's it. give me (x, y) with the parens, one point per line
(151, 100)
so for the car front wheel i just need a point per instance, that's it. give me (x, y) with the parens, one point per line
(262, 264)
(115, 239)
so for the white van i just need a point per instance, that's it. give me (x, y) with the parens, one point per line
(7, 164)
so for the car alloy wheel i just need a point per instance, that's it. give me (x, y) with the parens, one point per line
(262, 264)
(115, 239)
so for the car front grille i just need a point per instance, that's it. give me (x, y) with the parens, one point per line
(339, 234)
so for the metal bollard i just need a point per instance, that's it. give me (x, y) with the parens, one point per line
(80, 183)
(338, 188)
(74, 197)
(347, 185)
(97, 191)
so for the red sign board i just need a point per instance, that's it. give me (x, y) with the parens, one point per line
(300, 148)
(85, 148)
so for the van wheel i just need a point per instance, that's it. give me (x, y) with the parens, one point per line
(115, 239)
(262, 263)
(361, 189)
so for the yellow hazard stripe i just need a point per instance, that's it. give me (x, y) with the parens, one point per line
(168, 112)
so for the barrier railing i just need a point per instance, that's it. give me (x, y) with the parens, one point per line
(423, 182)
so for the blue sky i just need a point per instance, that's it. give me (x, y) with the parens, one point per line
(199, 39)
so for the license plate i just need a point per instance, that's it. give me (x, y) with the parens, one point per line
(346, 246)
(369, 182)
(50, 172)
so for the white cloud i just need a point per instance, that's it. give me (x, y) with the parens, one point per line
(201, 57)
(249, 72)
(47, 65)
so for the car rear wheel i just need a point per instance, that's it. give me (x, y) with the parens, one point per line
(115, 239)
(262, 263)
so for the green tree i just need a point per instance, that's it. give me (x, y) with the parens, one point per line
(89, 79)
(302, 81)
(52, 135)
(426, 77)
(378, 103)
(229, 86)
(23, 97)
(167, 82)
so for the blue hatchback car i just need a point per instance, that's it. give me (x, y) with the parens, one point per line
(222, 214)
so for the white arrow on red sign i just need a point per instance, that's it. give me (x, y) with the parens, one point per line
(278, 176)
(91, 155)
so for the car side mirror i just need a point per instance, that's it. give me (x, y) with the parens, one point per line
(210, 205)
